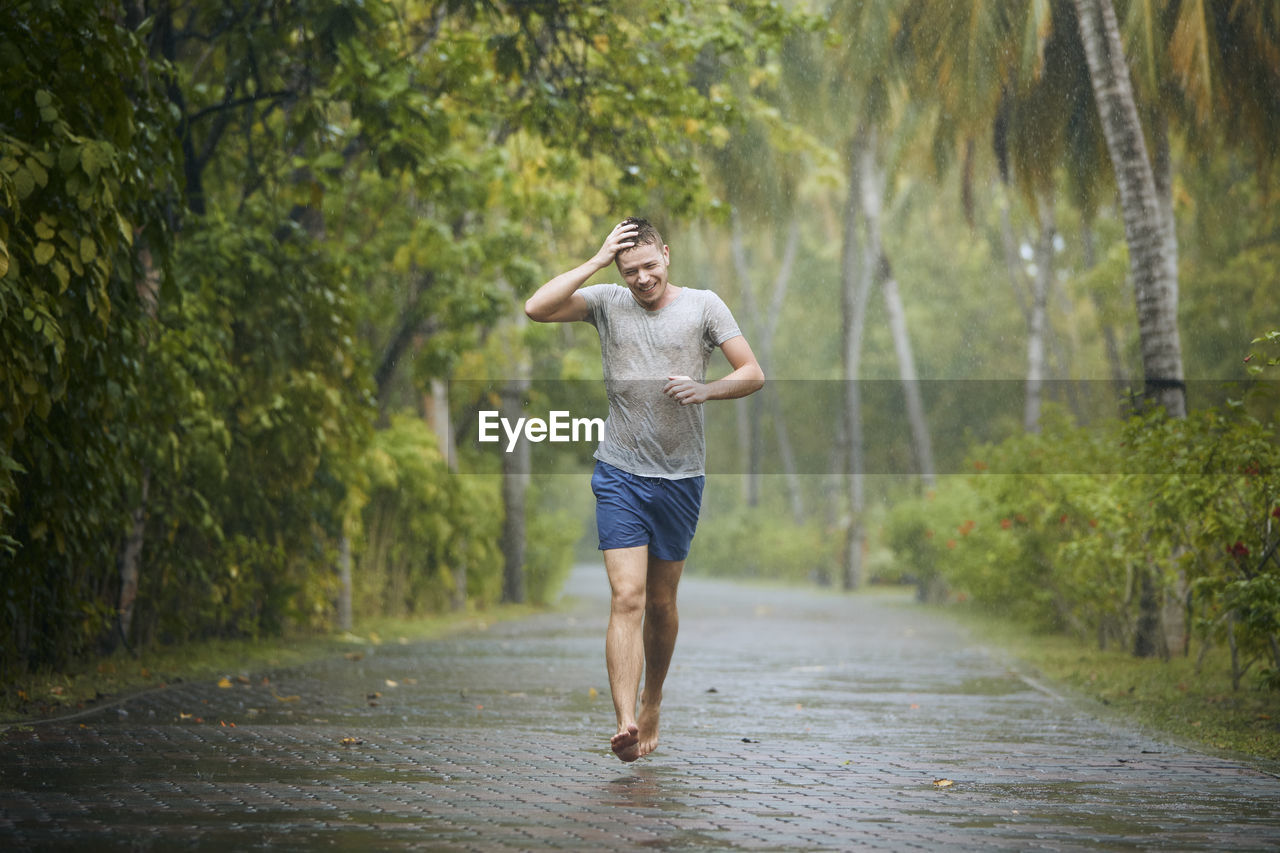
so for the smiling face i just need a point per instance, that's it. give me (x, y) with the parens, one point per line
(644, 269)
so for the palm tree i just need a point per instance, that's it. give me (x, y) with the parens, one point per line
(867, 67)
(1148, 229)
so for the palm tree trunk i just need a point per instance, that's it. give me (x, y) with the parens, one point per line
(1037, 319)
(872, 191)
(1148, 231)
(855, 290)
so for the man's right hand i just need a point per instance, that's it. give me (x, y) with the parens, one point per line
(622, 237)
(558, 301)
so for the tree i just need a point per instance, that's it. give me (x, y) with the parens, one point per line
(1148, 231)
(85, 188)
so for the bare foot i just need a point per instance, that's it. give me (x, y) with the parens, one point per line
(626, 743)
(648, 721)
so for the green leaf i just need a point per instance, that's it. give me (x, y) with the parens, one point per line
(24, 183)
(63, 275)
(43, 98)
(88, 249)
(43, 231)
(91, 160)
(37, 171)
(68, 157)
(44, 252)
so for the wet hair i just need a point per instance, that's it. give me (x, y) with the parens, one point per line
(646, 234)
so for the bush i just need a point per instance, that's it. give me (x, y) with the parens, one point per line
(1072, 528)
(756, 542)
(418, 524)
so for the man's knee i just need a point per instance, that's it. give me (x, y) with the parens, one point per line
(628, 598)
(661, 601)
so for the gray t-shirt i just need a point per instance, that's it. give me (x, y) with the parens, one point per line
(648, 433)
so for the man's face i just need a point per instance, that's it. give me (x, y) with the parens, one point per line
(644, 269)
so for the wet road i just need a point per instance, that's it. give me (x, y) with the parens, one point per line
(794, 720)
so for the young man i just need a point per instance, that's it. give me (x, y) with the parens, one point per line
(656, 339)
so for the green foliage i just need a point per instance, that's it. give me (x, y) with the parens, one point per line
(1059, 529)
(85, 184)
(253, 400)
(419, 523)
(551, 534)
(754, 542)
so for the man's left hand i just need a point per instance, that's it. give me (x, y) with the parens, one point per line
(684, 390)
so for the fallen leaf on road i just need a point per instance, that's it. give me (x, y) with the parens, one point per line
(280, 698)
(749, 740)
(942, 783)
(224, 682)
(354, 655)
(391, 683)
(350, 741)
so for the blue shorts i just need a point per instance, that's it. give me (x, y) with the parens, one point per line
(632, 510)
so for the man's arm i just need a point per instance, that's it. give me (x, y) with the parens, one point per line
(746, 378)
(558, 301)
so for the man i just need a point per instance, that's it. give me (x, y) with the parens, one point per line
(656, 339)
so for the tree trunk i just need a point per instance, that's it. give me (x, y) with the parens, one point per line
(871, 184)
(1152, 241)
(855, 280)
(1036, 319)
(515, 483)
(435, 408)
(763, 333)
(1149, 233)
(345, 621)
(130, 559)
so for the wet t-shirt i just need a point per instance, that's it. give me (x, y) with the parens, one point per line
(648, 433)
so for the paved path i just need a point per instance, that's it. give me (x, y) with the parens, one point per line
(793, 721)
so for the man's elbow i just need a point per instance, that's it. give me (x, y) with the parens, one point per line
(533, 311)
(756, 379)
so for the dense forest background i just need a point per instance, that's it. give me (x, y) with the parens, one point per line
(1010, 268)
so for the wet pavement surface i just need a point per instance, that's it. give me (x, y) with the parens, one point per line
(793, 720)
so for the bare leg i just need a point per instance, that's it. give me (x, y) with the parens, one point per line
(661, 624)
(624, 649)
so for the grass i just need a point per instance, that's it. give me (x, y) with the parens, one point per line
(1174, 698)
(91, 684)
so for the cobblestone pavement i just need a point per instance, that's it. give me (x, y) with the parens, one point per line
(793, 720)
